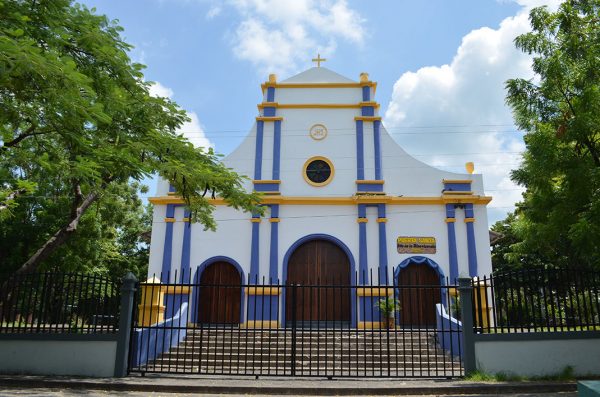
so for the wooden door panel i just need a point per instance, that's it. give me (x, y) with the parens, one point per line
(220, 294)
(313, 266)
(419, 296)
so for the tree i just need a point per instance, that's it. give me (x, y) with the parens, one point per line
(77, 117)
(559, 109)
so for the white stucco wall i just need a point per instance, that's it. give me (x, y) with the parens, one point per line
(46, 357)
(403, 175)
(539, 357)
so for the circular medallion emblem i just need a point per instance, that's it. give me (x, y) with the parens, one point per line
(318, 132)
(318, 171)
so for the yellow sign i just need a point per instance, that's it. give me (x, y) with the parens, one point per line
(416, 245)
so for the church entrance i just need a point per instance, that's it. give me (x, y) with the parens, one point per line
(220, 294)
(317, 287)
(418, 304)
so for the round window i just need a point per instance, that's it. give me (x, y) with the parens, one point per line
(318, 171)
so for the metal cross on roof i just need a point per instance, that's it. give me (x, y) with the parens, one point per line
(318, 60)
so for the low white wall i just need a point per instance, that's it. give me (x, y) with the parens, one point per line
(538, 357)
(58, 357)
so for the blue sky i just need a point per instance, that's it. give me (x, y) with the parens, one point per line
(440, 67)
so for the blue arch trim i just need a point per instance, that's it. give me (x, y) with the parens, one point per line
(343, 247)
(420, 260)
(200, 269)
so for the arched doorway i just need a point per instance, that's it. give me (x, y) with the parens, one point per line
(419, 292)
(318, 280)
(220, 294)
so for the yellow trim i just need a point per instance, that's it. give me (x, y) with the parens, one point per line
(368, 118)
(274, 220)
(469, 220)
(316, 105)
(457, 180)
(260, 324)
(370, 182)
(267, 105)
(263, 290)
(382, 220)
(367, 291)
(177, 289)
(362, 220)
(265, 181)
(172, 193)
(370, 193)
(457, 193)
(325, 159)
(170, 220)
(255, 220)
(349, 200)
(371, 325)
(264, 118)
(319, 85)
(450, 220)
(185, 220)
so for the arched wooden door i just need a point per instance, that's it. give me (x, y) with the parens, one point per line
(420, 291)
(220, 294)
(320, 273)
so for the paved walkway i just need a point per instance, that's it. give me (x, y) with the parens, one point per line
(188, 385)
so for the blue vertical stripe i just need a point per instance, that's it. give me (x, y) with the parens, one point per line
(471, 246)
(273, 259)
(360, 160)
(453, 257)
(276, 149)
(383, 259)
(168, 246)
(254, 265)
(258, 153)
(185, 249)
(377, 143)
(271, 94)
(362, 246)
(366, 93)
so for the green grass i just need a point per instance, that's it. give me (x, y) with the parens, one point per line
(566, 374)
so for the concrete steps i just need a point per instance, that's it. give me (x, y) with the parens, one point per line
(380, 353)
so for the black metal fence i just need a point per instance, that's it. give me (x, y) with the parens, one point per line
(537, 301)
(59, 303)
(326, 329)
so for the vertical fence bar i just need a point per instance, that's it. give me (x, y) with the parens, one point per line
(293, 341)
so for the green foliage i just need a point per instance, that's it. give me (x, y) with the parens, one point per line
(78, 126)
(388, 306)
(558, 221)
(567, 374)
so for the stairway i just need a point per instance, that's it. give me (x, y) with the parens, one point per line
(320, 352)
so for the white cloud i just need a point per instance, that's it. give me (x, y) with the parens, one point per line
(460, 108)
(192, 129)
(159, 90)
(278, 36)
(213, 12)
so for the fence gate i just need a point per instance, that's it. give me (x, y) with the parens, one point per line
(268, 340)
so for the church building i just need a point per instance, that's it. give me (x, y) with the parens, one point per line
(346, 205)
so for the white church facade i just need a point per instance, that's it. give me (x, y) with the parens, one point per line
(346, 205)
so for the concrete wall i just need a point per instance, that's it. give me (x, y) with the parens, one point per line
(539, 354)
(74, 355)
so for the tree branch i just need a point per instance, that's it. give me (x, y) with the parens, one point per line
(27, 133)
